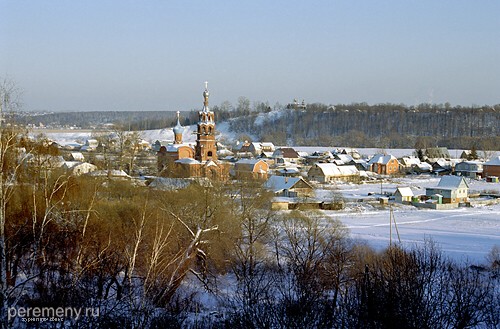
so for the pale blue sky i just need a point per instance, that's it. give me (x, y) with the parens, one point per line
(156, 55)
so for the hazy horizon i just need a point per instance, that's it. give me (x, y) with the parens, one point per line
(155, 56)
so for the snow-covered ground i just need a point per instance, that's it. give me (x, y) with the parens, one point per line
(463, 233)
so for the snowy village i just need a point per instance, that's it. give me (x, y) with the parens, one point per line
(339, 169)
(421, 199)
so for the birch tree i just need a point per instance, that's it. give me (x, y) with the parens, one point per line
(9, 137)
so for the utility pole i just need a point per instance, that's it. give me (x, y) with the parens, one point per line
(392, 219)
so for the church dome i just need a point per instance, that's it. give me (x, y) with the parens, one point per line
(178, 129)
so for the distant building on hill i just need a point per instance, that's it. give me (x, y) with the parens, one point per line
(296, 105)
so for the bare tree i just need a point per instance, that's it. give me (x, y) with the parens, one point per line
(9, 166)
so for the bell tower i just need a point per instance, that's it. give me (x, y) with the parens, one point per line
(206, 148)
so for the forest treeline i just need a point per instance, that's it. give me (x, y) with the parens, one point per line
(381, 126)
(147, 258)
(355, 125)
(133, 120)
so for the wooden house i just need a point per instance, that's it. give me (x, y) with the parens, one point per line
(328, 172)
(289, 186)
(384, 164)
(251, 168)
(286, 154)
(492, 167)
(453, 189)
(403, 195)
(472, 169)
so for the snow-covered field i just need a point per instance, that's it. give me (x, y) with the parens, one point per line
(463, 233)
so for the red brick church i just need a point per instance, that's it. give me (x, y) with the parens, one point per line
(185, 160)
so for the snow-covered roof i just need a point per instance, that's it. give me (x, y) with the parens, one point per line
(188, 161)
(256, 145)
(452, 182)
(267, 154)
(493, 161)
(210, 163)
(345, 158)
(404, 191)
(409, 161)
(286, 152)
(164, 183)
(110, 173)
(424, 166)
(382, 159)
(224, 152)
(289, 170)
(331, 169)
(248, 161)
(77, 155)
(280, 183)
(175, 147)
(71, 164)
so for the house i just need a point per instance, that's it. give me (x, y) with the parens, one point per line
(158, 144)
(76, 156)
(472, 169)
(288, 171)
(345, 158)
(492, 167)
(289, 186)
(144, 145)
(241, 147)
(361, 164)
(77, 168)
(384, 164)
(408, 162)
(325, 156)
(72, 146)
(111, 174)
(251, 168)
(350, 151)
(442, 167)
(403, 195)
(90, 145)
(466, 154)
(286, 154)
(437, 152)
(422, 167)
(256, 148)
(327, 172)
(453, 189)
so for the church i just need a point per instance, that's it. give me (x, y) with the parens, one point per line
(183, 160)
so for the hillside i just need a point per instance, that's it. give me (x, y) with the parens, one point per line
(388, 126)
(356, 125)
